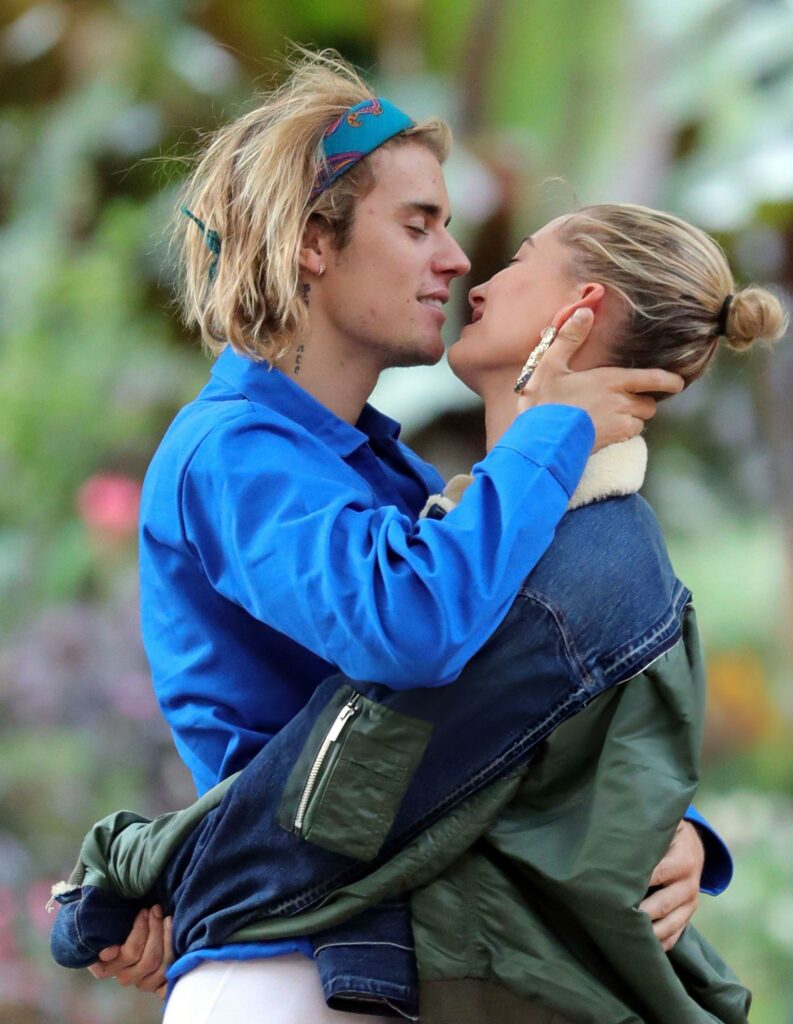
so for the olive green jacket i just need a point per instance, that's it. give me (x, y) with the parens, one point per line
(526, 895)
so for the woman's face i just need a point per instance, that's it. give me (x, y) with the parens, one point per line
(511, 310)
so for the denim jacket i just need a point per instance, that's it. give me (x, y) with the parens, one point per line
(363, 772)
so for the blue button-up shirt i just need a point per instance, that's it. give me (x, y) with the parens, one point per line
(279, 543)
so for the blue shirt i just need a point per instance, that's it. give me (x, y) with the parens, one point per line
(279, 543)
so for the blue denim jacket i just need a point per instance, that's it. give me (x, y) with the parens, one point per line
(567, 638)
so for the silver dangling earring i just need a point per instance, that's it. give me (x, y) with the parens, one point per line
(321, 270)
(546, 340)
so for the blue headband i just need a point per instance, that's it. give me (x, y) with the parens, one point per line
(355, 134)
(211, 240)
(352, 136)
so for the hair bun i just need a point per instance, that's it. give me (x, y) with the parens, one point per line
(754, 315)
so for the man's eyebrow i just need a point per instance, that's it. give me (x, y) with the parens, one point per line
(430, 209)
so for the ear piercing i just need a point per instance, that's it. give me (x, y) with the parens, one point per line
(321, 270)
(530, 366)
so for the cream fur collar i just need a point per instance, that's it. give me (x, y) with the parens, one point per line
(615, 470)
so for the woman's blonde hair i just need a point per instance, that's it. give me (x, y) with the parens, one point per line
(674, 280)
(252, 186)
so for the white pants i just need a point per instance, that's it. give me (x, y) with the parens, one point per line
(280, 990)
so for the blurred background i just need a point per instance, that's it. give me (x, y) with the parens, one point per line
(682, 104)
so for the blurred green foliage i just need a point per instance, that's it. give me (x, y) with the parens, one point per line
(684, 104)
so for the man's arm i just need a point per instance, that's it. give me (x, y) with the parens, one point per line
(307, 552)
(300, 545)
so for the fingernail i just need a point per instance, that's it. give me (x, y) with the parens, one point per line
(580, 315)
(157, 911)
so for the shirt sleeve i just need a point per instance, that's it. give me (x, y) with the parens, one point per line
(718, 870)
(297, 540)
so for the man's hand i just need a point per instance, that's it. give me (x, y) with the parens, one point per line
(677, 879)
(613, 396)
(145, 956)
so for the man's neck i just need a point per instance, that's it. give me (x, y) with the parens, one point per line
(340, 383)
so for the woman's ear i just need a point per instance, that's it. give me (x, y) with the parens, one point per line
(591, 297)
(314, 246)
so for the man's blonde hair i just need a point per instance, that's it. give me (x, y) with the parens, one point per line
(252, 186)
(673, 279)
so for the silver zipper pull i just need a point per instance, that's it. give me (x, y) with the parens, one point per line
(346, 712)
(335, 731)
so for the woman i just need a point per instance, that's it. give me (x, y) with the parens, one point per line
(660, 292)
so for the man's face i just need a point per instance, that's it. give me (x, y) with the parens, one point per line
(383, 293)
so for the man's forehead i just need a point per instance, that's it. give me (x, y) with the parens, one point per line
(410, 175)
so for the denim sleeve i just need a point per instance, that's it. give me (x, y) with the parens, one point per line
(718, 869)
(305, 550)
(88, 921)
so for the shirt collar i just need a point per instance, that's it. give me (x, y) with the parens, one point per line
(272, 388)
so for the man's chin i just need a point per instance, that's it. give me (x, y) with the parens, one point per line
(424, 353)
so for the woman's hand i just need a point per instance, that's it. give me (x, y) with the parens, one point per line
(145, 956)
(676, 882)
(613, 396)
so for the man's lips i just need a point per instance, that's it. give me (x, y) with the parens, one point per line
(435, 301)
(437, 298)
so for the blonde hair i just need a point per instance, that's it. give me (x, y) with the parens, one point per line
(252, 186)
(674, 280)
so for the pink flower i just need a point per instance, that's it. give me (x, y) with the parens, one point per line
(109, 503)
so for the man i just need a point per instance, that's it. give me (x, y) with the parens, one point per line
(278, 526)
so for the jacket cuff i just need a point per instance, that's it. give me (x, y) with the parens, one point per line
(718, 869)
(557, 437)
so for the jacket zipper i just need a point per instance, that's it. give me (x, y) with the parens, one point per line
(335, 731)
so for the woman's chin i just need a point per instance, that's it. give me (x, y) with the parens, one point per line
(463, 370)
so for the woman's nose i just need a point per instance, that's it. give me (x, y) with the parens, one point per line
(476, 296)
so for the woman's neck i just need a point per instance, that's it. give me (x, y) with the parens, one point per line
(500, 401)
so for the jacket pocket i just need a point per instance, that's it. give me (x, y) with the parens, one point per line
(349, 782)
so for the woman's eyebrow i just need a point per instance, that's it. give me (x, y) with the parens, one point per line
(529, 240)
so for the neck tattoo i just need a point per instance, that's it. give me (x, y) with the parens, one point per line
(305, 288)
(299, 356)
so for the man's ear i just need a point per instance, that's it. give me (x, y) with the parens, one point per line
(314, 246)
(591, 297)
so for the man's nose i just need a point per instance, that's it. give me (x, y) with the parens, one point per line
(452, 260)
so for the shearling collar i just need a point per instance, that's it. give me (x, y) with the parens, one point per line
(615, 470)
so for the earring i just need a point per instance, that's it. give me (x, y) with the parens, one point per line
(546, 339)
(321, 270)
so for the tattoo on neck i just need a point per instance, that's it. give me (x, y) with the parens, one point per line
(299, 356)
(305, 288)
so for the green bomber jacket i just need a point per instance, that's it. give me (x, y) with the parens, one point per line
(526, 895)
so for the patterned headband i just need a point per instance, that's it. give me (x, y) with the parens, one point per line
(355, 134)
(348, 139)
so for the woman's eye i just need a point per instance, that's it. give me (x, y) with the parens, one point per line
(416, 229)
